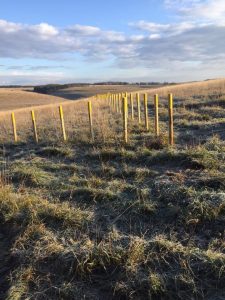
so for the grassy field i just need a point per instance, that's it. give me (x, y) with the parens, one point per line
(105, 220)
(75, 93)
(17, 98)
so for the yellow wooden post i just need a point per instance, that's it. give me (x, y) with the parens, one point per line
(138, 108)
(126, 95)
(90, 120)
(14, 127)
(120, 101)
(113, 102)
(171, 132)
(62, 122)
(117, 103)
(156, 105)
(125, 119)
(132, 106)
(109, 99)
(146, 111)
(34, 126)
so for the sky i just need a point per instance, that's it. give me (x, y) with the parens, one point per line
(48, 41)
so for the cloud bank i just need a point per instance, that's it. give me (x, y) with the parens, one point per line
(187, 48)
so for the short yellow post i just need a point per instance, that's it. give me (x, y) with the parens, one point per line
(125, 120)
(34, 126)
(156, 105)
(14, 127)
(90, 120)
(132, 106)
(146, 111)
(171, 132)
(62, 122)
(138, 108)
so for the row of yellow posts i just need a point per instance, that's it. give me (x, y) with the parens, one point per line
(117, 103)
(118, 100)
(61, 116)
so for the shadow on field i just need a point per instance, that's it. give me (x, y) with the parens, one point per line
(8, 235)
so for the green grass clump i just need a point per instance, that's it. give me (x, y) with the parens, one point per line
(28, 208)
(55, 151)
(30, 175)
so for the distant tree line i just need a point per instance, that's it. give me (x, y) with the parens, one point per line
(51, 88)
(15, 86)
(112, 83)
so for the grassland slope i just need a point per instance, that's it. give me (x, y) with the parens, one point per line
(104, 220)
(16, 98)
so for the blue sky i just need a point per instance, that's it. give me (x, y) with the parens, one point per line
(105, 14)
(73, 41)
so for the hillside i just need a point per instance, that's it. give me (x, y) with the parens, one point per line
(15, 98)
(74, 93)
(103, 219)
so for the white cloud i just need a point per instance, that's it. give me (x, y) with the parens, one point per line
(168, 29)
(44, 30)
(194, 47)
(208, 10)
(84, 30)
(9, 27)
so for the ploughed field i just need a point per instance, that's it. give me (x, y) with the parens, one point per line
(105, 220)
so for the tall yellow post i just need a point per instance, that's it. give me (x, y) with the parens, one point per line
(138, 108)
(132, 106)
(14, 127)
(111, 101)
(146, 111)
(120, 101)
(125, 120)
(62, 122)
(126, 95)
(117, 103)
(156, 106)
(170, 107)
(34, 126)
(90, 120)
